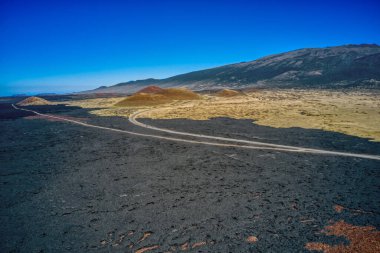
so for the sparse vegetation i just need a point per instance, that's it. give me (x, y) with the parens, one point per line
(33, 101)
(354, 113)
(228, 93)
(159, 96)
(151, 89)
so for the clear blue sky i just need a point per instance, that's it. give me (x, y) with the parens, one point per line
(64, 46)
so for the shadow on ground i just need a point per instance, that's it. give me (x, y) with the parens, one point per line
(67, 188)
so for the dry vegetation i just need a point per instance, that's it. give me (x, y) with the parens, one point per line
(143, 99)
(151, 89)
(95, 102)
(160, 96)
(355, 113)
(103, 106)
(34, 101)
(228, 93)
(361, 239)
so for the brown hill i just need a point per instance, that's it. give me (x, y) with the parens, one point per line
(179, 94)
(161, 97)
(33, 101)
(151, 89)
(143, 99)
(228, 93)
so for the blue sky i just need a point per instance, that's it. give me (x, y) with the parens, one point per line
(65, 46)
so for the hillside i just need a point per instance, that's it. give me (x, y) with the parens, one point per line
(228, 93)
(151, 89)
(332, 67)
(33, 101)
(158, 96)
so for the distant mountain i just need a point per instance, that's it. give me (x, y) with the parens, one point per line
(47, 94)
(332, 67)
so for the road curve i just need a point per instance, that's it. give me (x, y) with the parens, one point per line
(133, 120)
(255, 144)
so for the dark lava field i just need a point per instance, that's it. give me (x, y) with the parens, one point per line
(70, 188)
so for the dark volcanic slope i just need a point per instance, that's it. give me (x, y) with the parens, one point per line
(68, 188)
(331, 67)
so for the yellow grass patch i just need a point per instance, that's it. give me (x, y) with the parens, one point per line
(354, 113)
(228, 93)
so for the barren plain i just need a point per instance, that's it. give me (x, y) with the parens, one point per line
(67, 187)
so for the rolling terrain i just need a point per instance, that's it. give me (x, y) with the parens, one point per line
(348, 66)
(354, 112)
(33, 101)
(76, 182)
(153, 96)
(170, 169)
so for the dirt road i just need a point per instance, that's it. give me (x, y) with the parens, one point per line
(253, 144)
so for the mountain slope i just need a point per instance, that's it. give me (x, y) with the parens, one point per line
(331, 67)
(33, 101)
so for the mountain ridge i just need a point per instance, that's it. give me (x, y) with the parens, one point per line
(346, 66)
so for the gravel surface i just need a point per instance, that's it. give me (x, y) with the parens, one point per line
(67, 188)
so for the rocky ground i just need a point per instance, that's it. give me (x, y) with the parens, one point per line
(68, 188)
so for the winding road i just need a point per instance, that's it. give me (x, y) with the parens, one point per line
(222, 141)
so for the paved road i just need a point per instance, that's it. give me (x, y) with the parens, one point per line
(231, 142)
